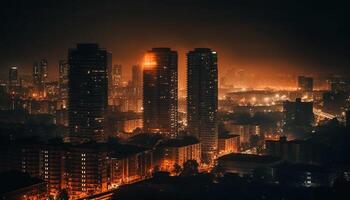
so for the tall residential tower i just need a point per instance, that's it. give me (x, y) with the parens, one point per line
(88, 93)
(160, 113)
(202, 100)
(13, 77)
(40, 77)
(63, 81)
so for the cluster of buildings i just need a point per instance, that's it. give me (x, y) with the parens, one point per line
(160, 96)
(81, 169)
(88, 95)
(93, 103)
(125, 97)
(89, 90)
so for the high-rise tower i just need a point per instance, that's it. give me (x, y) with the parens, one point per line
(40, 77)
(136, 76)
(202, 100)
(13, 77)
(88, 93)
(160, 113)
(63, 81)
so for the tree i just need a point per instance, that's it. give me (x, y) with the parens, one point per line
(262, 175)
(254, 140)
(218, 171)
(156, 169)
(190, 168)
(62, 195)
(137, 131)
(177, 169)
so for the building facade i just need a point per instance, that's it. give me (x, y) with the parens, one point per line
(52, 167)
(297, 115)
(202, 99)
(160, 114)
(131, 167)
(86, 168)
(137, 76)
(63, 82)
(13, 77)
(40, 78)
(177, 151)
(228, 144)
(115, 79)
(294, 151)
(305, 84)
(88, 93)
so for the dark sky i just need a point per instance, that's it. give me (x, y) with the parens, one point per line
(260, 35)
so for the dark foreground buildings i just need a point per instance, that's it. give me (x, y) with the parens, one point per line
(297, 115)
(88, 93)
(202, 100)
(20, 185)
(81, 169)
(160, 113)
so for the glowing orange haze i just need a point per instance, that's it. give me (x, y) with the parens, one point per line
(266, 69)
(149, 61)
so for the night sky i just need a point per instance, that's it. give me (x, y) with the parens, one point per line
(262, 36)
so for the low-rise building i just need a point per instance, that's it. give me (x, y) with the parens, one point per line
(295, 151)
(22, 156)
(178, 151)
(130, 165)
(52, 166)
(86, 168)
(228, 144)
(20, 186)
(246, 163)
(306, 175)
(245, 131)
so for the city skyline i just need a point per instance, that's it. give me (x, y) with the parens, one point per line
(252, 79)
(253, 40)
(174, 99)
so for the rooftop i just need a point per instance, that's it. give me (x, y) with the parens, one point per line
(124, 150)
(179, 142)
(16, 180)
(227, 136)
(238, 157)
